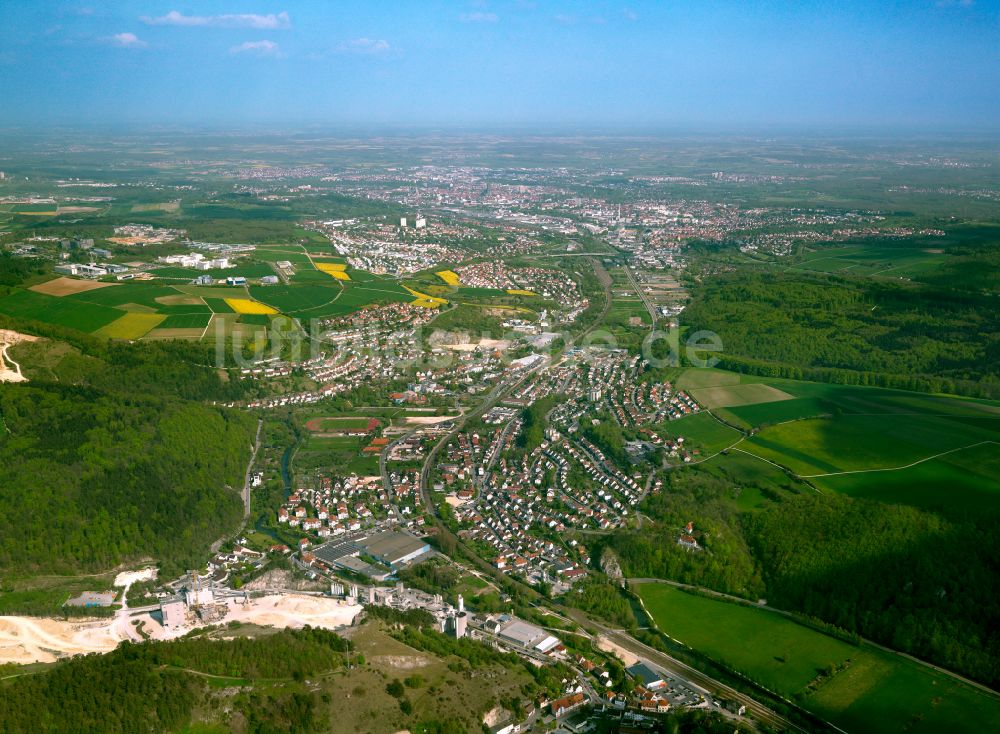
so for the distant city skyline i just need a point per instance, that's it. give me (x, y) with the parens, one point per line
(910, 64)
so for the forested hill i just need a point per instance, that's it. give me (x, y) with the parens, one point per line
(851, 331)
(159, 686)
(114, 452)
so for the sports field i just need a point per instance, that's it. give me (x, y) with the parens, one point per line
(341, 423)
(870, 690)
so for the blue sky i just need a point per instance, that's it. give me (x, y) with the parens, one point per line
(534, 64)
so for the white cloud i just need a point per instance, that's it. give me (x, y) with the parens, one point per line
(257, 48)
(479, 17)
(270, 21)
(127, 40)
(364, 46)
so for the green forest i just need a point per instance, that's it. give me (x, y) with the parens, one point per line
(111, 454)
(851, 331)
(156, 686)
(93, 479)
(901, 576)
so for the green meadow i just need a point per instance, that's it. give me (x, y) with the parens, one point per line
(701, 431)
(858, 688)
(926, 450)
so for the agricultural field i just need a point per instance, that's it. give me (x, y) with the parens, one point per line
(318, 289)
(248, 269)
(450, 277)
(131, 310)
(926, 450)
(322, 452)
(166, 206)
(294, 299)
(692, 379)
(424, 299)
(873, 260)
(334, 270)
(728, 396)
(66, 311)
(133, 325)
(870, 691)
(247, 306)
(186, 321)
(703, 431)
(67, 286)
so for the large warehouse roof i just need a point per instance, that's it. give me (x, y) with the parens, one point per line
(522, 633)
(392, 547)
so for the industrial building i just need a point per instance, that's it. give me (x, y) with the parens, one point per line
(173, 614)
(394, 549)
(518, 633)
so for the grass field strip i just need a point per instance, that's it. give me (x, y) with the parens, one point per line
(794, 617)
(893, 468)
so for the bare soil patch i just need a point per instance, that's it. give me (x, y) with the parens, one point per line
(67, 286)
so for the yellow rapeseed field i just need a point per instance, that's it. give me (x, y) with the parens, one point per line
(425, 300)
(335, 270)
(245, 305)
(449, 276)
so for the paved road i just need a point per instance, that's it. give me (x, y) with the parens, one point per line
(246, 476)
(492, 398)
(245, 492)
(757, 710)
(626, 641)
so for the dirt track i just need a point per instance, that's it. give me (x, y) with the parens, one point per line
(9, 338)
